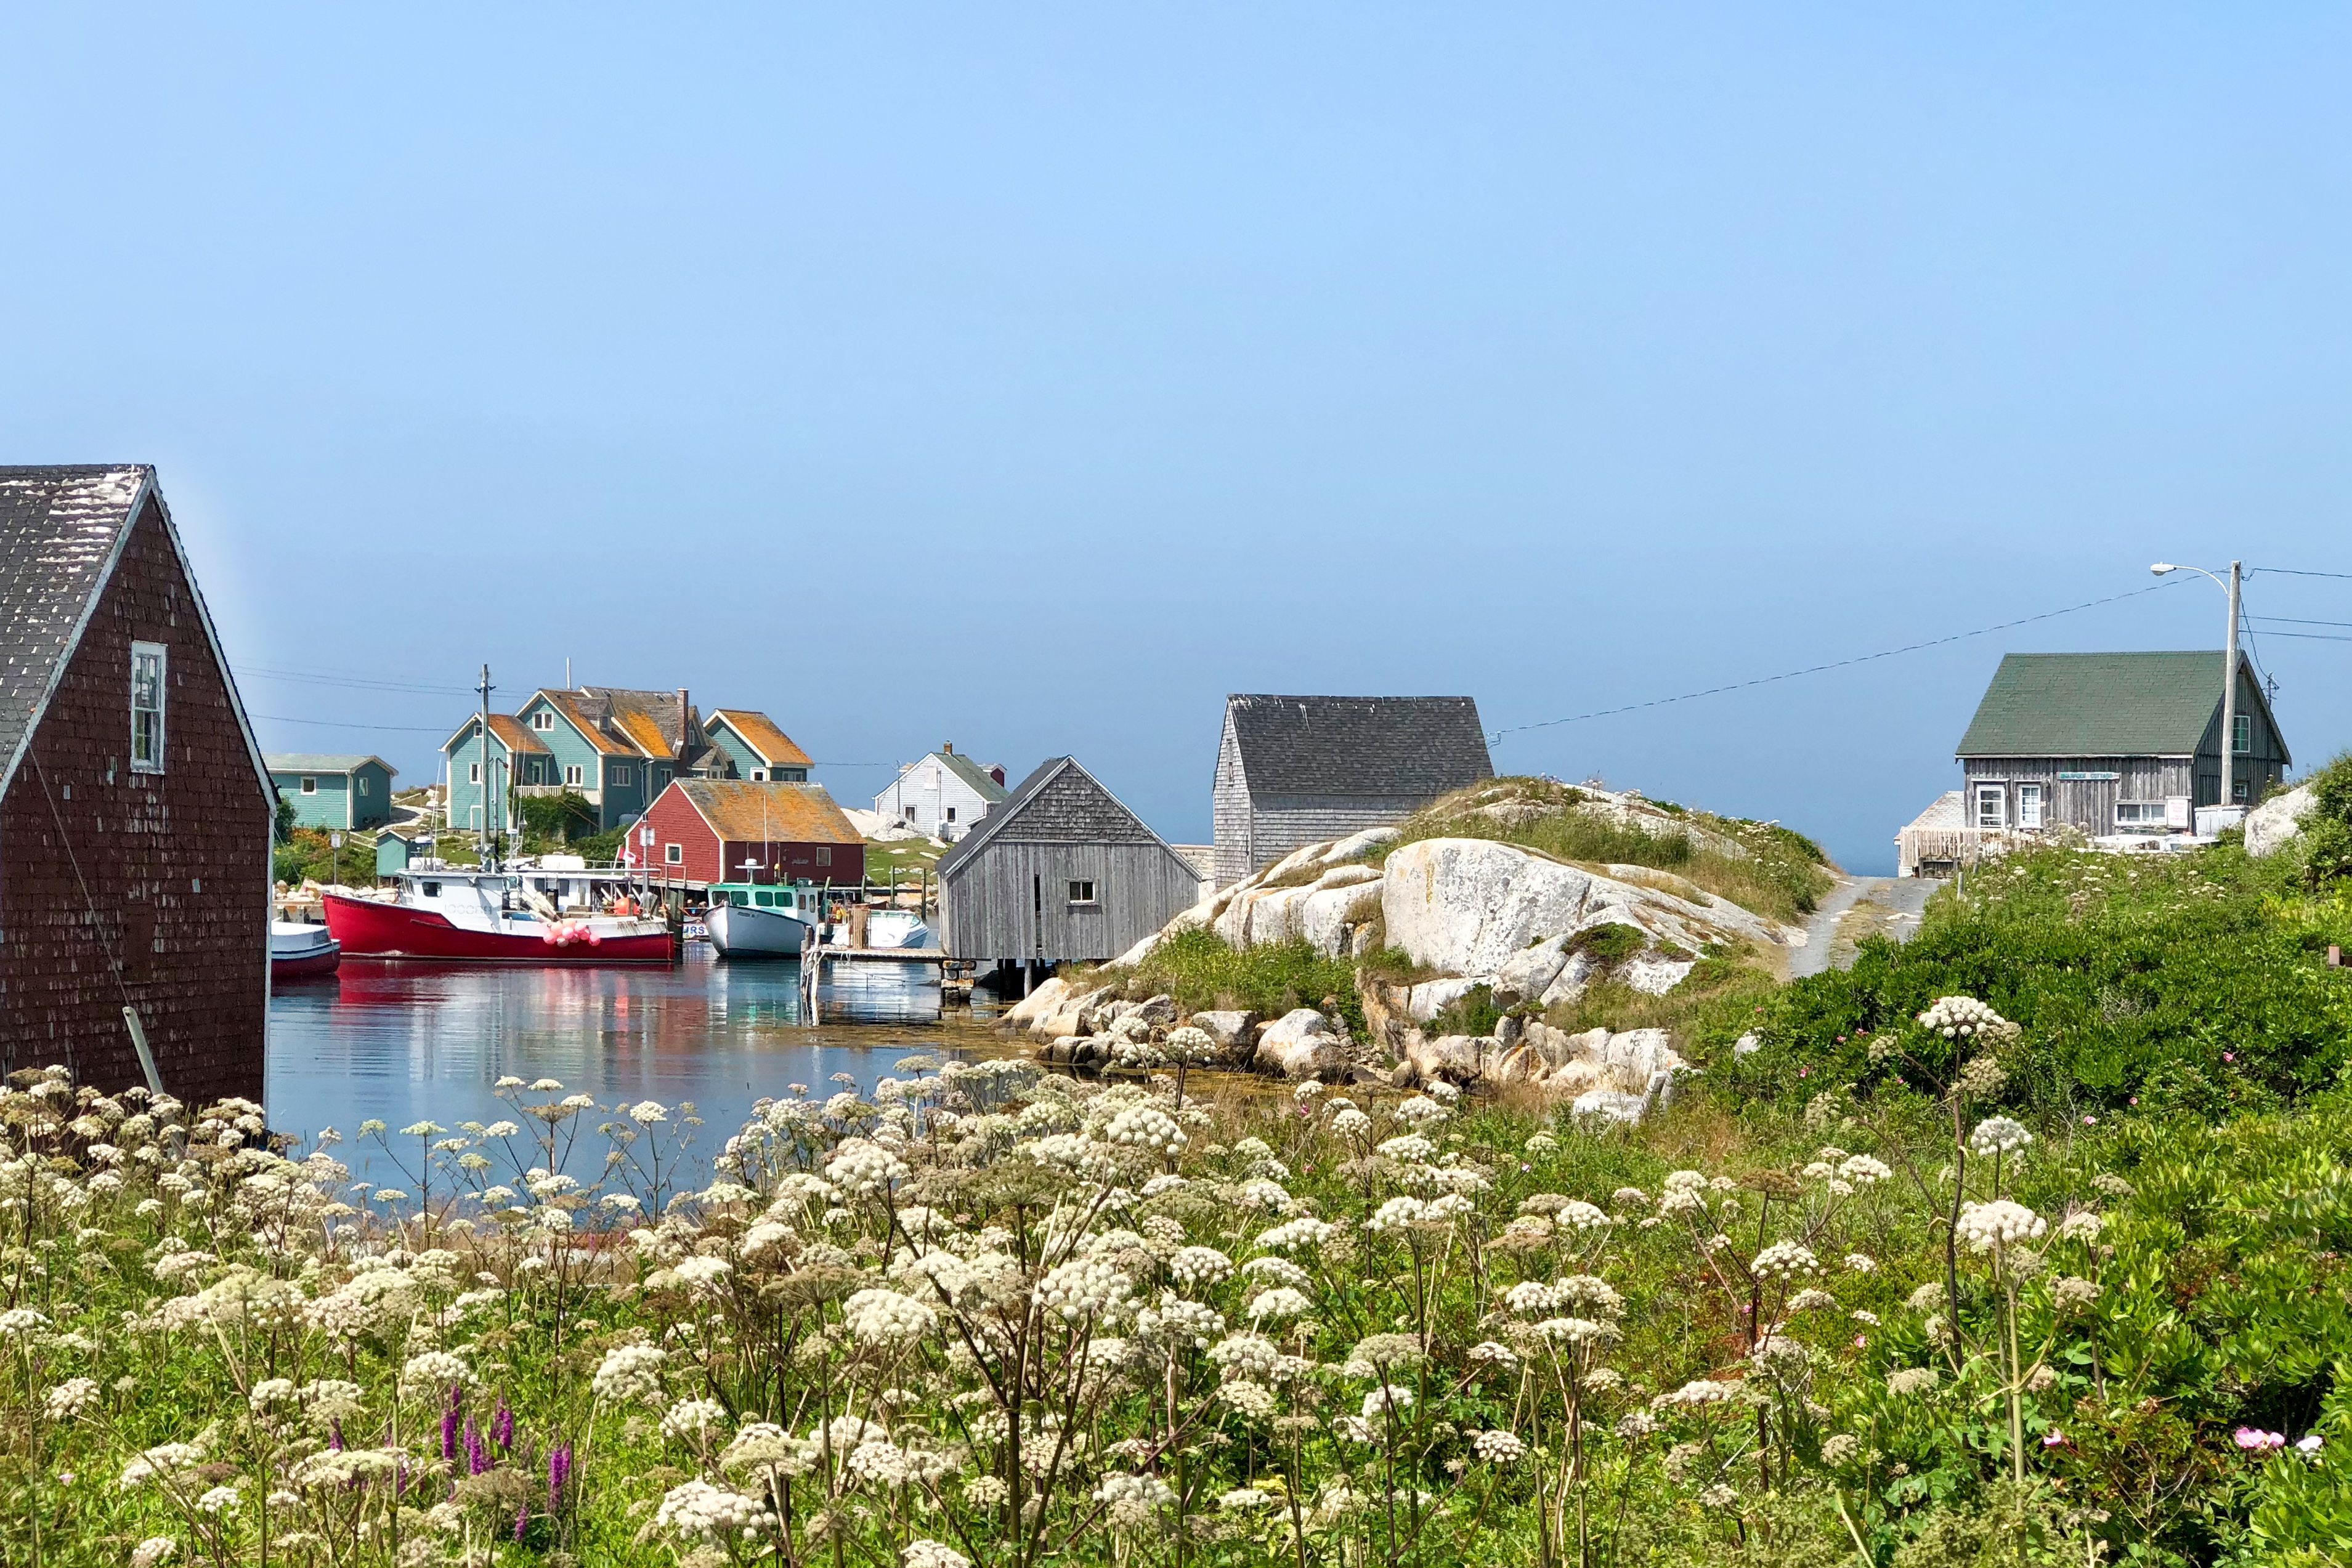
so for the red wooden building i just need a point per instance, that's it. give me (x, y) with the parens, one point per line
(706, 828)
(135, 811)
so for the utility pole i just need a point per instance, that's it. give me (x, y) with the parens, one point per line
(483, 767)
(2229, 698)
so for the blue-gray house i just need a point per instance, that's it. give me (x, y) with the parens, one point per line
(334, 791)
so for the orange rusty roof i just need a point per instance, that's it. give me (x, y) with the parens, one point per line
(742, 811)
(511, 731)
(570, 706)
(761, 734)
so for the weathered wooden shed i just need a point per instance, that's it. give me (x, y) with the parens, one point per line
(135, 812)
(2113, 743)
(1060, 872)
(1295, 771)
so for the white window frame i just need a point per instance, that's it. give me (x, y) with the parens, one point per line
(673, 854)
(360, 780)
(149, 758)
(542, 719)
(2033, 801)
(1998, 794)
(572, 776)
(620, 773)
(473, 773)
(1081, 891)
(309, 783)
(759, 776)
(2144, 816)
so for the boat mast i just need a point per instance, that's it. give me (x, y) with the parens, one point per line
(488, 863)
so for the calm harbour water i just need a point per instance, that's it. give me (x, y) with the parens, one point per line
(411, 1043)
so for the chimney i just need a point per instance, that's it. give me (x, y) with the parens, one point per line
(684, 724)
(996, 772)
(947, 749)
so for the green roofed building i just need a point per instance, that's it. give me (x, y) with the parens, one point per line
(2113, 743)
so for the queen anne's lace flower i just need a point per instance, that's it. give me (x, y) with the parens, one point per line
(1279, 1303)
(864, 1168)
(692, 1420)
(1959, 1017)
(1146, 1127)
(1906, 1381)
(1397, 1214)
(1785, 1261)
(1684, 1193)
(1700, 1391)
(1293, 1234)
(1081, 1288)
(1350, 1123)
(629, 1373)
(2002, 1223)
(886, 1317)
(1249, 1356)
(1196, 1268)
(153, 1551)
(71, 1397)
(1998, 1135)
(1498, 1448)
(700, 1511)
(933, 1554)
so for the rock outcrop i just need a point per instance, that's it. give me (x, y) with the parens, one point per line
(2271, 824)
(1302, 1043)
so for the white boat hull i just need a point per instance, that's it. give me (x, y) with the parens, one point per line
(745, 931)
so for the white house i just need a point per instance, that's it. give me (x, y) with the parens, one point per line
(942, 795)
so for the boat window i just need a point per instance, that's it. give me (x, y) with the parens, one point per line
(431, 889)
(767, 900)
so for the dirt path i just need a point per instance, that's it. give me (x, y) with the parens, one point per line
(1859, 907)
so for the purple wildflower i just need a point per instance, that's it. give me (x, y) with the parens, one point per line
(477, 1455)
(502, 1425)
(559, 1471)
(335, 1435)
(522, 1518)
(449, 1426)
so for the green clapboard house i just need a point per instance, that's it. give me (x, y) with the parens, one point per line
(2113, 743)
(334, 791)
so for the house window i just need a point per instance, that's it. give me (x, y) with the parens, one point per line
(620, 773)
(794, 775)
(1082, 892)
(2239, 791)
(910, 813)
(2029, 805)
(951, 813)
(759, 776)
(473, 773)
(363, 783)
(2242, 734)
(673, 854)
(542, 719)
(146, 707)
(825, 854)
(310, 785)
(1992, 805)
(571, 775)
(2140, 816)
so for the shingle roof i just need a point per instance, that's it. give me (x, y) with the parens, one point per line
(586, 719)
(2101, 705)
(59, 528)
(749, 811)
(62, 528)
(761, 734)
(511, 731)
(1359, 746)
(322, 762)
(652, 722)
(1103, 817)
(983, 783)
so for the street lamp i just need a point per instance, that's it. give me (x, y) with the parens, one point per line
(2229, 679)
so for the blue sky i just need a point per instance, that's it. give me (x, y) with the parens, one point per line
(1031, 377)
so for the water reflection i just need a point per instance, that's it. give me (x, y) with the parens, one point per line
(407, 1042)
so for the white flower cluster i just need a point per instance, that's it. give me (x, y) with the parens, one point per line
(2002, 1223)
(1280, 1304)
(1350, 1123)
(1957, 1018)
(1083, 1288)
(1249, 1356)
(1146, 1127)
(1269, 1271)
(702, 1512)
(1197, 1268)
(1700, 1391)
(1293, 1234)
(1862, 1170)
(692, 1420)
(1133, 1499)
(629, 1373)
(1998, 1135)
(71, 1397)
(1498, 1448)
(932, 1554)
(1419, 1111)
(886, 1317)
(1684, 1193)
(864, 1168)
(1785, 1260)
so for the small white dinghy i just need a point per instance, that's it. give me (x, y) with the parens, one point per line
(297, 948)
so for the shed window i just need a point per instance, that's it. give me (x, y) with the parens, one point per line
(825, 854)
(1082, 892)
(363, 783)
(673, 854)
(473, 773)
(2029, 805)
(951, 813)
(2142, 816)
(571, 774)
(146, 707)
(310, 784)
(1992, 805)
(2242, 734)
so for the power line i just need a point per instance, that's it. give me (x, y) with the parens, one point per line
(2295, 620)
(339, 724)
(1836, 664)
(360, 683)
(2290, 572)
(2311, 636)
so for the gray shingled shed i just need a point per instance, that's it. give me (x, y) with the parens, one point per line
(1292, 770)
(1060, 872)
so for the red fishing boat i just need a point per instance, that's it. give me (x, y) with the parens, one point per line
(461, 915)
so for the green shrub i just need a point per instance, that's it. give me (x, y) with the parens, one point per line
(1472, 1013)
(1202, 970)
